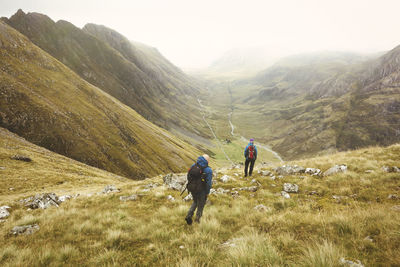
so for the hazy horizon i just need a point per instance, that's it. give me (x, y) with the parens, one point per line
(193, 34)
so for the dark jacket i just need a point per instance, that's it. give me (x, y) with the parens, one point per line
(207, 170)
(246, 151)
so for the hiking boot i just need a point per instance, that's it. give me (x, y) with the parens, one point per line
(188, 220)
(197, 220)
(245, 175)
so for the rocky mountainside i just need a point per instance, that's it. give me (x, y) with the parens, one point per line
(135, 74)
(305, 106)
(45, 102)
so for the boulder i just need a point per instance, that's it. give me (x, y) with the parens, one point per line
(42, 201)
(225, 178)
(290, 170)
(64, 198)
(174, 181)
(188, 198)
(128, 198)
(285, 194)
(394, 196)
(290, 188)
(4, 212)
(313, 171)
(336, 169)
(219, 191)
(25, 229)
(345, 262)
(110, 189)
(265, 173)
(262, 208)
(391, 169)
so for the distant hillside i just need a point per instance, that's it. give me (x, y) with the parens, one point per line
(316, 104)
(48, 104)
(137, 75)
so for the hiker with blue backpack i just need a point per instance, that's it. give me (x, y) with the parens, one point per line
(199, 184)
(250, 153)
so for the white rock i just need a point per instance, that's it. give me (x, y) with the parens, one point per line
(336, 169)
(4, 212)
(110, 189)
(64, 198)
(175, 181)
(25, 229)
(285, 194)
(170, 198)
(181, 247)
(313, 171)
(188, 198)
(272, 178)
(265, 173)
(343, 261)
(225, 178)
(290, 188)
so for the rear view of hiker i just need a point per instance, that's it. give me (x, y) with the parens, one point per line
(199, 185)
(250, 153)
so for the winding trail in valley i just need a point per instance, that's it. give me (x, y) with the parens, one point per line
(263, 146)
(212, 131)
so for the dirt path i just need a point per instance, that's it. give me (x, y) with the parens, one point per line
(212, 131)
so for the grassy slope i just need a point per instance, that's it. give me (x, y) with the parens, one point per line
(306, 230)
(139, 78)
(47, 172)
(49, 105)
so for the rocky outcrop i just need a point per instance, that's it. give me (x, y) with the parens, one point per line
(290, 188)
(290, 170)
(42, 201)
(25, 229)
(110, 189)
(175, 181)
(336, 169)
(4, 213)
(313, 171)
(391, 169)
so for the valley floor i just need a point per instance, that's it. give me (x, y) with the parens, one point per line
(352, 215)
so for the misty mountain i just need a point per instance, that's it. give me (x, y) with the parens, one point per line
(45, 102)
(308, 105)
(137, 75)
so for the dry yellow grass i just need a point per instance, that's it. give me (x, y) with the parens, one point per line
(306, 230)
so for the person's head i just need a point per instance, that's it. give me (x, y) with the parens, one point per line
(251, 141)
(206, 157)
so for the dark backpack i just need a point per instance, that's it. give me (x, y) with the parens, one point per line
(196, 179)
(251, 152)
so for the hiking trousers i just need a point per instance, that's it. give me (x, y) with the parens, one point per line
(246, 166)
(199, 200)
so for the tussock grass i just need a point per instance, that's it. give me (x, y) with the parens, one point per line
(306, 230)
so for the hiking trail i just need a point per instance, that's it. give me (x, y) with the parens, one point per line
(263, 146)
(212, 131)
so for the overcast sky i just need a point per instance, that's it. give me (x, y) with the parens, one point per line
(194, 33)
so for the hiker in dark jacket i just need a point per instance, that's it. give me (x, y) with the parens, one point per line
(250, 153)
(199, 198)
